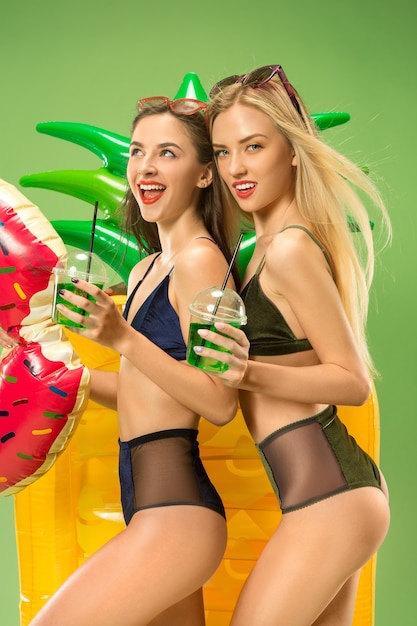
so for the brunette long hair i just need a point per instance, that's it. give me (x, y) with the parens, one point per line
(223, 225)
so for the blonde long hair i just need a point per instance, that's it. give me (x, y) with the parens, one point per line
(327, 192)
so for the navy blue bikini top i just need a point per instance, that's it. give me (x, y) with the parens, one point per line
(266, 328)
(157, 320)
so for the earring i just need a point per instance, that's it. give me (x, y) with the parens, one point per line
(203, 184)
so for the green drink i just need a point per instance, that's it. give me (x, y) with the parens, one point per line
(204, 362)
(210, 306)
(85, 265)
(60, 318)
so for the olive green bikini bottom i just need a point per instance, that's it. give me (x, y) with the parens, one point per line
(313, 459)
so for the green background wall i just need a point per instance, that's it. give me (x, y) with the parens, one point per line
(89, 61)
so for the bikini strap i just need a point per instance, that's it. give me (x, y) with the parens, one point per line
(260, 266)
(148, 269)
(209, 239)
(316, 241)
(150, 266)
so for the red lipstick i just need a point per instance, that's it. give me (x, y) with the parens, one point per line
(150, 191)
(244, 188)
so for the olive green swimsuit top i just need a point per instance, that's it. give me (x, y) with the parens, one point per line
(266, 328)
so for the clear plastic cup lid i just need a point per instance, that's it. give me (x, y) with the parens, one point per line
(226, 305)
(85, 265)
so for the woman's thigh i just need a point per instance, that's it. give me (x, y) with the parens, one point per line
(310, 557)
(340, 611)
(163, 556)
(186, 612)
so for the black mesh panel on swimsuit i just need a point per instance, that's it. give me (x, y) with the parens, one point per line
(163, 473)
(303, 464)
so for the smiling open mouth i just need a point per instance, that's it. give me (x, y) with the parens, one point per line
(244, 190)
(151, 193)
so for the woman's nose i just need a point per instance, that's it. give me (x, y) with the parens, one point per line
(146, 166)
(146, 170)
(236, 165)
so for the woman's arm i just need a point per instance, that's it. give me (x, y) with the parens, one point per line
(104, 386)
(297, 280)
(198, 391)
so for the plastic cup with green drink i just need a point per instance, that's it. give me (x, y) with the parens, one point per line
(215, 304)
(85, 265)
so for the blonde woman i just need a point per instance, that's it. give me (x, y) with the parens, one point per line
(303, 350)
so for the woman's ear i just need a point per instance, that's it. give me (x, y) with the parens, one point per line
(206, 177)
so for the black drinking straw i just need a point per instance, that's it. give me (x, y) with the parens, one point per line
(93, 231)
(226, 278)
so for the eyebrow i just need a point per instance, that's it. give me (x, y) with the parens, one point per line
(244, 140)
(166, 144)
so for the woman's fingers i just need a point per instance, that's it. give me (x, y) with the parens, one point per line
(95, 316)
(234, 353)
(6, 341)
(227, 337)
(89, 305)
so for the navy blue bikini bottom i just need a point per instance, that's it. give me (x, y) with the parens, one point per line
(164, 469)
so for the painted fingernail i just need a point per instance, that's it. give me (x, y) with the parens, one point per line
(61, 292)
(74, 280)
(198, 349)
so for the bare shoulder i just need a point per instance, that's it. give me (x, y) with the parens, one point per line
(201, 257)
(199, 266)
(293, 253)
